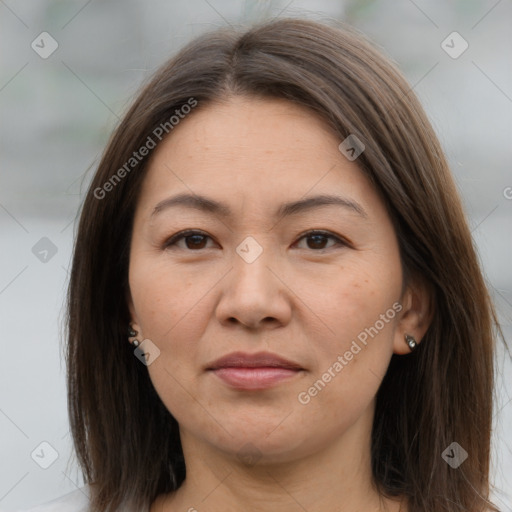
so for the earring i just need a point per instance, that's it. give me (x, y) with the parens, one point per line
(131, 334)
(411, 342)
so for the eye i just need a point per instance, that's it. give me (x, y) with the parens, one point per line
(318, 239)
(193, 240)
(196, 240)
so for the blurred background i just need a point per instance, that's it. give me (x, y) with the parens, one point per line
(68, 71)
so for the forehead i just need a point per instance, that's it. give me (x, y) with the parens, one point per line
(247, 131)
(252, 149)
(256, 126)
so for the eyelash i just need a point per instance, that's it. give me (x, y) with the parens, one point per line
(184, 234)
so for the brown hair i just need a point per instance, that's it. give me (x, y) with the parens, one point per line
(127, 443)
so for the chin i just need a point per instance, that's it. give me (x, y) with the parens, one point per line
(264, 442)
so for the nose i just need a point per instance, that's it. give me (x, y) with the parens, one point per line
(254, 294)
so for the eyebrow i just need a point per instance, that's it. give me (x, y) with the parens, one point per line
(208, 205)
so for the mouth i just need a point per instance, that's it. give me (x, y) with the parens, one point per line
(254, 371)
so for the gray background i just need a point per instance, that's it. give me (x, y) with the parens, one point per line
(58, 112)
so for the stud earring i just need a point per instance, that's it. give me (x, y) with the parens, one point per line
(411, 342)
(131, 334)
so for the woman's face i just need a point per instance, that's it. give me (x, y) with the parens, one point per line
(251, 280)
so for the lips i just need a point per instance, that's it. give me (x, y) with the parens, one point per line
(253, 371)
(258, 360)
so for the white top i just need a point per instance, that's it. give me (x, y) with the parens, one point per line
(75, 501)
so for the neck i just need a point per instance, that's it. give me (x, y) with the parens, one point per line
(336, 475)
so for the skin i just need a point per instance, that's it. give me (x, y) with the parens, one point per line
(302, 298)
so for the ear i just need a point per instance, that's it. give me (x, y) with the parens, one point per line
(416, 315)
(134, 322)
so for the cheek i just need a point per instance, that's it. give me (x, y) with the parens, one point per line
(165, 299)
(359, 308)
(350, 299)
(169, 310)
(172, 310)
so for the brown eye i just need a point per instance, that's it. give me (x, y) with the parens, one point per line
(317, 240)
(194, 240)
(197, 240)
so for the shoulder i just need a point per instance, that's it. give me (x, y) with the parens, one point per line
(74, 501)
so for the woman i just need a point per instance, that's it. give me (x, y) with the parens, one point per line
(275, 303)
